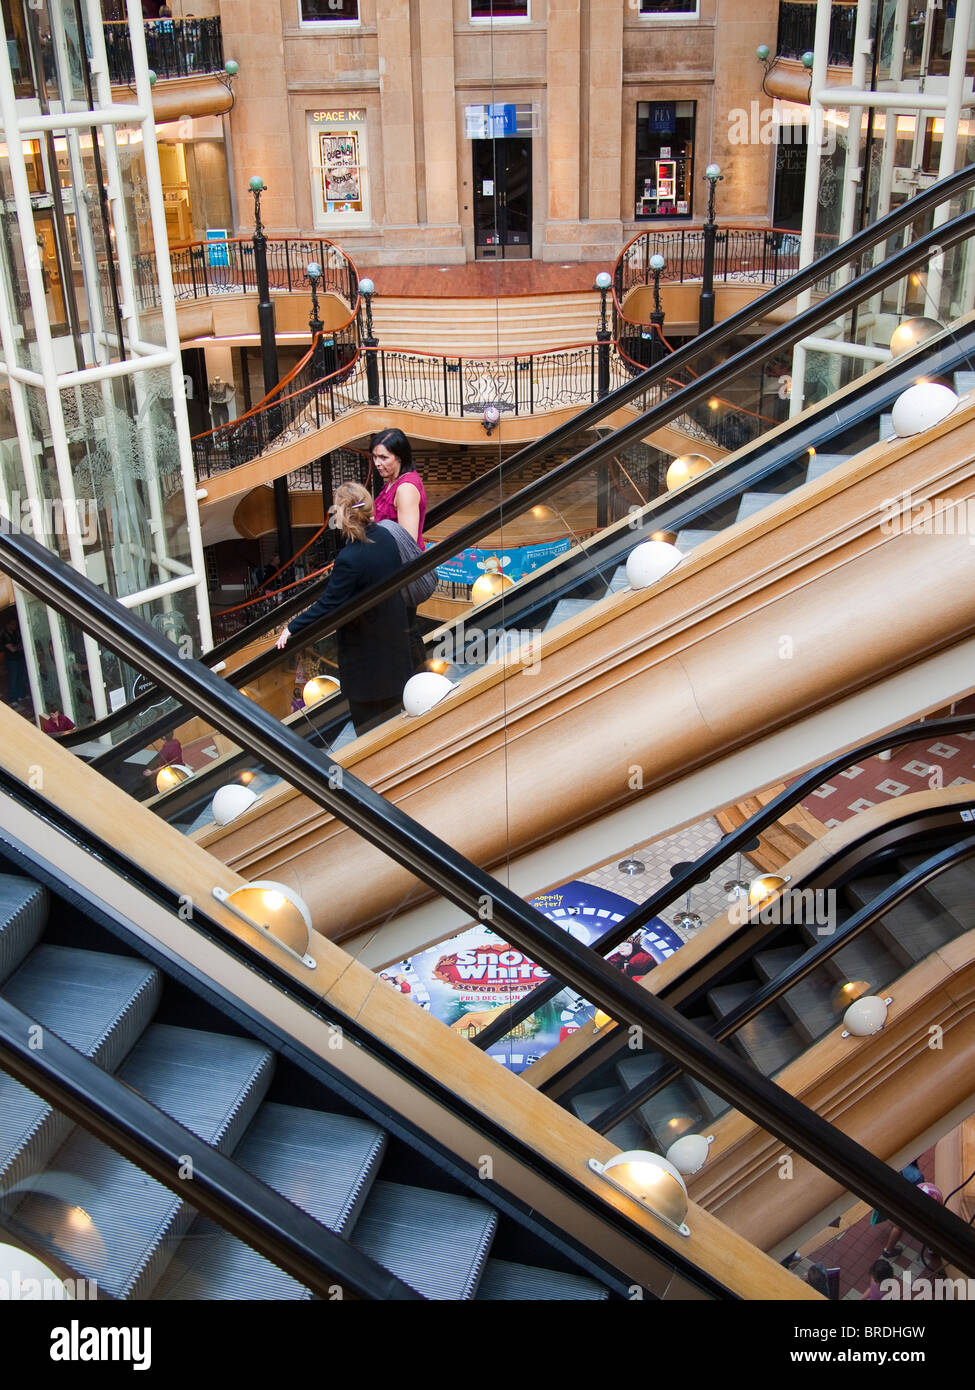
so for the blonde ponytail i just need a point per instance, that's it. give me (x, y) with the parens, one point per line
(358, 511)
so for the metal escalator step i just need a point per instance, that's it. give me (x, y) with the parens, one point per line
(565, 609)
(98, 1003)
(131, 1224)
(23, 917)
(964, 382)
(867, 958)
(810, 1001)
(887, 427)
(954, 890)
(618, 581)
(628, 1134)
(323, 1163)
(434, 1241)
(752, 502)
(912, 928)
(691, 539)
(504, 1281)
(769, 1040)
(821, 464)
(637, 1066)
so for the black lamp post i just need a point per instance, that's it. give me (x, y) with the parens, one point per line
(366, 291)
(269, 363)
(706, 311)
(603, 335)
(315, 325)
(657, 266)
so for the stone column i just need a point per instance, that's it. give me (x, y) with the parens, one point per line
(396, 98)
(605, 130)
(439, 122)
(563, 75)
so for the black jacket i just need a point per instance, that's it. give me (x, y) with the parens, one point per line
(374, 649)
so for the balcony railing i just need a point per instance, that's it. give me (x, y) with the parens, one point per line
(797, 32)
(175, 48)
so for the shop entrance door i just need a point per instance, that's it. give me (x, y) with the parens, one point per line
(503, 198)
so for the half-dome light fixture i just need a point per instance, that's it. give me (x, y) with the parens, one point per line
(866, 1016)
(171, 775)
(911, 333)
(763, 888)
(319, 688)
(276, 912)
(424, 690)
(649, 562)
(650, 1180)
(686, 467)
(689, 1153)
(922, 406)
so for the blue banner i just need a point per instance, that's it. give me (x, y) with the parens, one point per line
(218, 252)
(470, 565)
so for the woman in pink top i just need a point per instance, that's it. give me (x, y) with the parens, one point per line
(402, 497)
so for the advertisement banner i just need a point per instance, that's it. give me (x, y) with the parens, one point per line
(469, 565)
(465, 981)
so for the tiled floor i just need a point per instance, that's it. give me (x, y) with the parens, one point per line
(707, 899)
(485, 279)
(854, 1250)
(913, 768)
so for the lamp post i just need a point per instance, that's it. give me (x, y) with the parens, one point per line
(603, 336)
(315, 326)
(269, 364)
(366, 290)
(657, 266)
(706, 311)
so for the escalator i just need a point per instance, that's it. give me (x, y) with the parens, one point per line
(117, 860)
(510, 710)
(525, 481)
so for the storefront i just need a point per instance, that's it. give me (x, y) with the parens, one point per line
(664, 159)
(338, 153)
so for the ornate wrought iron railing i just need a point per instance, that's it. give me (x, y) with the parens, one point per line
(797, 32)
(743, 255)
(207, 269)
(175, 48)
(522, 384)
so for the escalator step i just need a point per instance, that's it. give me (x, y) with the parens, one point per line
(810, 1001)
(565, 609)
(98, 1003)
(628, 1134)
(954, 890)
(752, 502)
(820, 464)
(964, 382)
(691, 539)
(130, 1224)
(23, 917)
(323, 1163)
(636, 1067)
(434, 1241)
(913, 926)
(771, 964)
(887, 427)
(769, 1040)
(618, 582)
(867, 958)
(503, 1281)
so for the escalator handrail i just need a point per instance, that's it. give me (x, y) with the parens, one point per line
(870, 282)
(728, 328)
(588, 418)
(156, 1143)
(411, 845)
(668, 895)
(809, 961)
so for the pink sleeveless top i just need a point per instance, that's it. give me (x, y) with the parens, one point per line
(386, 501)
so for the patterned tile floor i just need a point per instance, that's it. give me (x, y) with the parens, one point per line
(910, 769)
(707, 899)
(854, 1249)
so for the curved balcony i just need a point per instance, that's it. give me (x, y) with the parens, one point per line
(187, 58)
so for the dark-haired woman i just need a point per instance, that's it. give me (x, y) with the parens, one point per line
(401, 499)
(374, 650)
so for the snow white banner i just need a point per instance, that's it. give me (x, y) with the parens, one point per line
(464, 982)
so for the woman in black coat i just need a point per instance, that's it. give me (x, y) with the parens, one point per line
(374, 649)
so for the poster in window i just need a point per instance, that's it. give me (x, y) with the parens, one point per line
(340, 166)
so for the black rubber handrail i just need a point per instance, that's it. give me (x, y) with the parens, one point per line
(406, 842)
(729, 844)
(159, 1145)
(841, 299)
(870, 282)
(809, 961)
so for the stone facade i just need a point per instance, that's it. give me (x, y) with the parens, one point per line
(400, 83)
